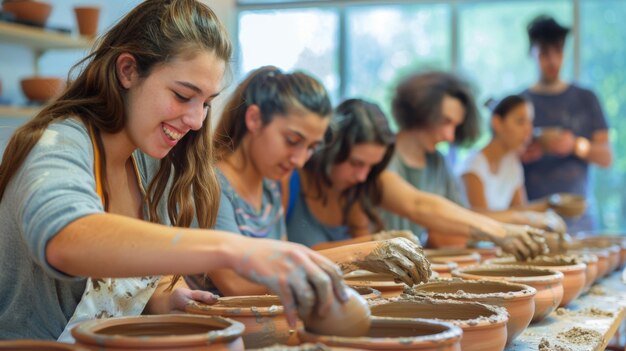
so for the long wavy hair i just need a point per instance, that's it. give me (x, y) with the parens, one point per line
(155, 33)
(275, 93)
(355, 122)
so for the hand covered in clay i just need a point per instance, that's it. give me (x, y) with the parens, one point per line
(390, 234)
(305, 281)
(522, 241)
(399, 257)
(548, 220)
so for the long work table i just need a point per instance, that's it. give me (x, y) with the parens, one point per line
(589, 323)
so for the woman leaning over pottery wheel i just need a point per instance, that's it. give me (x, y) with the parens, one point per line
(336, 194)
(76, 201)
(271, 125)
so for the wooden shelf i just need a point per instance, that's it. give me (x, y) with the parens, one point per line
(41, 39)
(18, 112)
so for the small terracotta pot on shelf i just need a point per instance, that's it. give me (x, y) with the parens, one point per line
(548, 283)
(396, 334)
(42, 89)
(182, 332)
(39, 345)
(87, 19)
(35, 12)
(381, 282)
(263, 317)
(518, 299)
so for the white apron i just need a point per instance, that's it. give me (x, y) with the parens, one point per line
(110, 297)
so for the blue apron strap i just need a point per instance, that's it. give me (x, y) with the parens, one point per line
(294, 192)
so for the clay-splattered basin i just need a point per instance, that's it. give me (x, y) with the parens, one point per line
(462, 257)
(484, 326)
(549, 283)
(574, 272)
(161, 332)
(38, 345)
(263, 316)
(381, 282)
(444, 269)
(367, 292)
(397, 334)
(518, 299)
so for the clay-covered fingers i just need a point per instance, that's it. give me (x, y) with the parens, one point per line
(322, 287)
(410, 257)
(287, 298)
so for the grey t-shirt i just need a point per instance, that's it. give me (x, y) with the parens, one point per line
(436, 177)
(579, 111)
(54, 187)
(303, 227)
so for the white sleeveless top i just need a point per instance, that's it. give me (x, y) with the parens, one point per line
(500, 186)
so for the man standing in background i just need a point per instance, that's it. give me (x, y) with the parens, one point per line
(572, 131)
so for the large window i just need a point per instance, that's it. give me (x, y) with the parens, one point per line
(365, 47)
(303, 39)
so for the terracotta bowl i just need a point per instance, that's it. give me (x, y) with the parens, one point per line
(567, 205)
(170, 332)
(613, 246)
(444, 269)
(368, 293)
(608, 257)
(439, 240)
(574, 273)
(381, 282)
(42, 89)
(549, 283)
(462, 257)
(484, 326)
(618, 239)
(518, 299)
(35, 12)
(396, 334)
(39, 345)
(263, 316)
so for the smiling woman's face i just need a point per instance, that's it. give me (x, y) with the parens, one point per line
(171, 101)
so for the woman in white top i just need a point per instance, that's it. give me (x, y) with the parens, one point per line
(493, 176)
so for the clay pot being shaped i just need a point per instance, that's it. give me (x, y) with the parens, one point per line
(38, 345)
(484, 326)
(33, 12)
(381, 282)
(367, 293)
(567, 205)
(444, 269)
(87, 20)
(548, 283)
(351, 318)
(163, 332)
(574, 273)
(517, 299)
(396, 334)
(263, 316)
(462, 257)
(42, 89)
